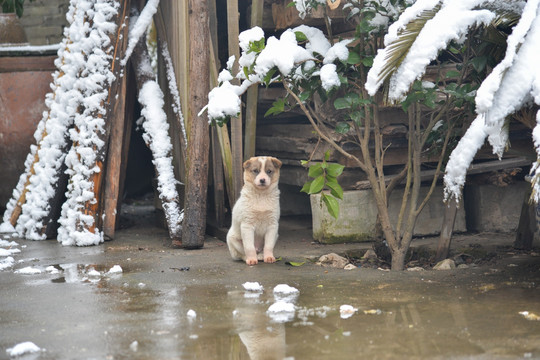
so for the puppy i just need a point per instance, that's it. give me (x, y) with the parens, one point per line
(255, 215)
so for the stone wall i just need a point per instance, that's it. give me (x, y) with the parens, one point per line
(44, 21)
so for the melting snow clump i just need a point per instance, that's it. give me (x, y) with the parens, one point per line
(191, 314)
(116, 269)
(28, 271)
(253, 286)
(27, 347)
(346, 311)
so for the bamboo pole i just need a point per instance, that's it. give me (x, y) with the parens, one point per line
(253, 91)
(236, 123)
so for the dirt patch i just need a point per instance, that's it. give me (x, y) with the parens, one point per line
(423, 256)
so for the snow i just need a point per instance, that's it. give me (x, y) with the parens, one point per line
(247, 36)
(191, 314)
(116, 269)
(451, 22)
(285, 289)
(139, 28)
(285, 54)
(329, 77)
(93, 273)
(30, 48)
(338, 51)
(7, 263)
(282, 53)
(173, 88)
(6, 227)
(8, 252)
(23, 348)
(223, 101)
(252, 286)
(157, 138)
(29, 270)
(52, 270)
(462, 156)
(5, 243)
(346, 311)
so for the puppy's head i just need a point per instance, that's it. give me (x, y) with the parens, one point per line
(262, 172)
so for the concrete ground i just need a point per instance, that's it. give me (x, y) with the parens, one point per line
(75, 309)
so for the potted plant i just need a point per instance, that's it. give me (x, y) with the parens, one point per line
(11, 30)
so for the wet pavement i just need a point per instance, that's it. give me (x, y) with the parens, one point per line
(177, 304)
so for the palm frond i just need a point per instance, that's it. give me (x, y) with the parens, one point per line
(398, 49)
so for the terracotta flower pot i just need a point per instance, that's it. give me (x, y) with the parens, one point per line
(11, 30)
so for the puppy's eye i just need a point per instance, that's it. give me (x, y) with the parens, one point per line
(256, 171)
(268, 172)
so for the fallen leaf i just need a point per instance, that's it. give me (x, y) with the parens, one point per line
(293, 263)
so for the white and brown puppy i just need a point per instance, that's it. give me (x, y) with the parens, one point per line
(255, 216)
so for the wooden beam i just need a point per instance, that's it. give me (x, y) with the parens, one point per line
(199, 140)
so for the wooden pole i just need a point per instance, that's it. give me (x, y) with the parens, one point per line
(236, 123)
(199, 139)
(253, 91)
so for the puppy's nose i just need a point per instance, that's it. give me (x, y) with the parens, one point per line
(262, 181)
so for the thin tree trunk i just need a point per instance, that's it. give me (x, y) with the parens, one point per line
(199, 139)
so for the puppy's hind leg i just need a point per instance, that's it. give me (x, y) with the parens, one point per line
(236, 248)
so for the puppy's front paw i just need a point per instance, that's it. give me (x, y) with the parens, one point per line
(252, 261)
(269, 259)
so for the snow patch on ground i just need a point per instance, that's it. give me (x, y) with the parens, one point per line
(23, 348)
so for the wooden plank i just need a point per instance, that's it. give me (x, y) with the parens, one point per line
(27, 63)
(116, 118)
(217, 159)
(194, 228)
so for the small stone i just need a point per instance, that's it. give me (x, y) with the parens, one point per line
(332, 260)
(446, 264)
(349, 267)
(369, 254)
(416, 268)
(463, 266)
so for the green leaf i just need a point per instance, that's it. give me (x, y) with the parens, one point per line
(354, 58)
(315, 170)
(305, 188)
(278, 107)
(317, 185)
(367, 61)
(300, 36)
(293, 263)
(479, 63)
(335, 169)
(291, 4)
(326, 155)
(331, 204)
(342, 128)
(269, 75)
(341, 103)
(335, 189)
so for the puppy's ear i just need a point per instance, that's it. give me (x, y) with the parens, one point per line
(247, 164)
(277, 163)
